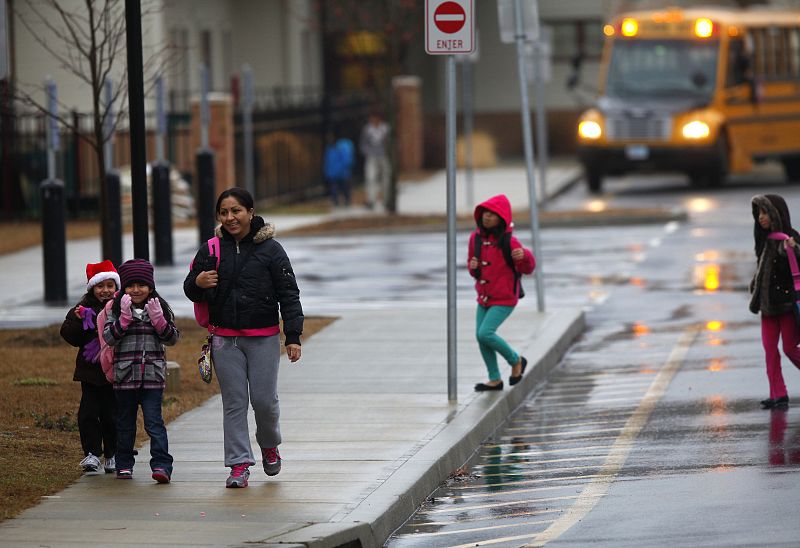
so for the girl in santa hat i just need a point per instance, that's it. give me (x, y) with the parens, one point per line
(97, 410)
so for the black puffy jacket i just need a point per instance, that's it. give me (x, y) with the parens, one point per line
(73, 332)
(265, 286)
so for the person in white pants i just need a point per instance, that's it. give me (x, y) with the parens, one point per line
(372, 144)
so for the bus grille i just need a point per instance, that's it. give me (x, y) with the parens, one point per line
(650, 128)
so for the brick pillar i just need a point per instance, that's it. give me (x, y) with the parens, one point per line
(408, 117)
(220, 137)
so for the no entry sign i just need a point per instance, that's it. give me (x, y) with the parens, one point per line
(449, 27)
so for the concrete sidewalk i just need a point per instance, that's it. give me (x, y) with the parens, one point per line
(368, 432)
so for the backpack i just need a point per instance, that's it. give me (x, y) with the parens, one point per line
(201, 313)
(504, 243)
(106, 351)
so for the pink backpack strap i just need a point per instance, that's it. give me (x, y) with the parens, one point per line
(790, 254)
(213, 248)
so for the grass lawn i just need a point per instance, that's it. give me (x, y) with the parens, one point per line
(39, 442)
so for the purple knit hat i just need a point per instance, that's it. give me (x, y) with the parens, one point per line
(136, 270)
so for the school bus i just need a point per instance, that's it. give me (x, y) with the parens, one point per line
(707, 92)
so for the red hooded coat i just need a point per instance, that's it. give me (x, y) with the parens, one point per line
(495, 281)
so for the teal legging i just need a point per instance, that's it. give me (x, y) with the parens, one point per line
(487, 320)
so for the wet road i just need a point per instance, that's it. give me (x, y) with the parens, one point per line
(649, 433)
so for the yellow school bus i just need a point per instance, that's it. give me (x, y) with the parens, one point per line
(707, 92)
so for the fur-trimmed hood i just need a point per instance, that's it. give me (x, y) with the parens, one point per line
(260, 230)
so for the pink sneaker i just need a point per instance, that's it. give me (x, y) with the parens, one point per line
(272, 460)
(239, 475)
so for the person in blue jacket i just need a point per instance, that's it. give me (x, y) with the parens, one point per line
(338, 167)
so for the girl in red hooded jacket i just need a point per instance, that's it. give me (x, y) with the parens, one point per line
(497, 286)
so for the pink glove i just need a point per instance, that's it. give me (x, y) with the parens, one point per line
(92, 351)
(125, 316)
(88, 316)
(153, 308)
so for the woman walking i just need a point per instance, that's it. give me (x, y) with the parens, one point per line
(251, 290)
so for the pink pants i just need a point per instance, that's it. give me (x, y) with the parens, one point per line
(773, 328)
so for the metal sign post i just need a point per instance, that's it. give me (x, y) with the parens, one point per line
(53, 138)
(205, 111)
(247, 130)
(161, 118)
(108, 144)
(521, 33)
(449, 29)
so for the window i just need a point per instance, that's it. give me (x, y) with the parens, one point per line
(738, 63)
(793, 51)
(577, 38)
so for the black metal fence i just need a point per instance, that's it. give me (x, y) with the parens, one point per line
(288, 138)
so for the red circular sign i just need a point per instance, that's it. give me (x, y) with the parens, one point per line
(449, 17)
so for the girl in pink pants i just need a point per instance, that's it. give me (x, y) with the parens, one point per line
(772, 291)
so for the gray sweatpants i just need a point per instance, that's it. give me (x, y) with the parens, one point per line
(247, 372)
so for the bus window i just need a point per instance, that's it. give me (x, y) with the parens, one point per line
(738, 63)
(662, 68)
(794, 52)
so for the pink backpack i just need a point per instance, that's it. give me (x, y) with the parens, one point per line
(106, 351)
(201, 313)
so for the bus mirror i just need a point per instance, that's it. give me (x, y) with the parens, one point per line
(572, 81)
(699, 79)
(575, 75)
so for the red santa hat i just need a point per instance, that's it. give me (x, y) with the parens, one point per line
(98, 272)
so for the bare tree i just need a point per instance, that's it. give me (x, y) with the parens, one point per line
(88, 42)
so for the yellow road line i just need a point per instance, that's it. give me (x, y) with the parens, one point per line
(622, 447)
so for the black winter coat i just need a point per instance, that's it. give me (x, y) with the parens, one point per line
(772, 287)
(72, 331)
(266, 284)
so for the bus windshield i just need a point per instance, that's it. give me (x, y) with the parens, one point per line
(662, 68)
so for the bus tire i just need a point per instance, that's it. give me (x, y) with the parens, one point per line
(791, 168)
(719, 171)
(594, 182)
(714, 175)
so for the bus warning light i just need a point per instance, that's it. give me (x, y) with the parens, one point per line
(703, 28)
(629, 27)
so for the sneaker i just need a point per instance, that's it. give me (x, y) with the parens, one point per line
(124, 473)
(272, 460)
(110, 465)
(90, 463)
(239, 475)
(160, 475)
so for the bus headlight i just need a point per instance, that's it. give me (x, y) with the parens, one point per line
(696, 130)
(589, 129)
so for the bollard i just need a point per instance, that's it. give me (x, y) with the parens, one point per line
(173, 381)
(54, 241)
(113, 217)
(206, 186)
(162, 213)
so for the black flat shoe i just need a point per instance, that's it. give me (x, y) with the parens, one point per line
(769, 403)
(481, 387)
(512, 380)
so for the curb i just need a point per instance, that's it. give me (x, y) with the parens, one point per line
(390, 505)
